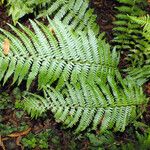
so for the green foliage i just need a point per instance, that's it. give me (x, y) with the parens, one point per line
(141, 74)
(8, 128)
(133, 138)
(145, 22)
(102, 142)
(142, 141)
(37, 140)
(5, 101)
(1, 2)
(74, 67)
(50, 139)
(128, 35)
(74, 12)
(19, 8)
(62, 55)
(106, 105)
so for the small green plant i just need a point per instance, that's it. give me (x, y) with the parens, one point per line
(102, 141)
(5, 101)
(19, 8)
(8, 128)
(40, 140)
(134, 138)
(141, 141)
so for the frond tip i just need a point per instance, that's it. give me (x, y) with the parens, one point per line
(105, 105)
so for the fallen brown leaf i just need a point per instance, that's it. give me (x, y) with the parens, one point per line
(6, 47)
(1, 143)
(18, 134)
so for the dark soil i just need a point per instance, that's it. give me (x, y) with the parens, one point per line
(105, 15)
(105, 12)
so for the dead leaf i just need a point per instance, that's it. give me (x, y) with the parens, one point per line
(6, 47)
(18, 134)
(1, 143)
(18, 142)
(51, 30)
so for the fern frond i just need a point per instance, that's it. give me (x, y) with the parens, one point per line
(60, 55)
(105, 105)
(128, 35)
(75, 13)
(141, 74)
(145, 22)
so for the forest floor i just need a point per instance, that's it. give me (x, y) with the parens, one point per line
(45, 133)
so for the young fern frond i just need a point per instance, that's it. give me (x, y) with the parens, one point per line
(55, 53)
(103, 106)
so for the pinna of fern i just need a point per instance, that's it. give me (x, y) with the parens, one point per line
(102, 106)
(54, 53)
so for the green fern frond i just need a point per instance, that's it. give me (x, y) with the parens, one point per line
(145, 22)
(104, 106)
(58, 55)
(75, 13)
(141, 74)
(128, 35)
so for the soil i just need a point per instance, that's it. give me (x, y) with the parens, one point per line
(105, 12)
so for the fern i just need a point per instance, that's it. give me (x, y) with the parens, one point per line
(70, 55)
(60, 56)
(105, 105)
(142, 73)
(145, 22)
(73, 12)
(128, 35)
(19, 8)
